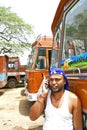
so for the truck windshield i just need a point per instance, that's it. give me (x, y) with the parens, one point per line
(13, 65)
(41, 59)
(31, 58)
(37, 59)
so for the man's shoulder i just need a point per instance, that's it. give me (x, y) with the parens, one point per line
(72, 95)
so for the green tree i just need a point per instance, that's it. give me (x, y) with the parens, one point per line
(15, 34)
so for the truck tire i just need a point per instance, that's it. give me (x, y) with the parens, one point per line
(12, 83)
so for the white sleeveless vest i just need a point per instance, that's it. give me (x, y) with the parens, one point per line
(58, 118)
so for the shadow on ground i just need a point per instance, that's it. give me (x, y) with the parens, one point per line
(20, 128)
(1, 93)
(24, 107)
(37, 128)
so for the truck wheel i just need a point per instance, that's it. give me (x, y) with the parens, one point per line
(12, 83)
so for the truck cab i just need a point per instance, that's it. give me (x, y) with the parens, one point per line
(38, 65)
(16, 72)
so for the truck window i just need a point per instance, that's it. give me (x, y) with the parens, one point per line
(56, 46)
(41, 59)
(13, 65)
(75, 36)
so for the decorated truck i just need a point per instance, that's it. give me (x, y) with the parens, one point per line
(69, 29)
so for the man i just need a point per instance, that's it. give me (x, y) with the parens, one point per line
(62, 107)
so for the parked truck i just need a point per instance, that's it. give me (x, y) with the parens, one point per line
(69, 29)
(12, 72)
(38, 65)
(16, 72)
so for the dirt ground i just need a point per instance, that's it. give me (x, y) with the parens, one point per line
(14, 111)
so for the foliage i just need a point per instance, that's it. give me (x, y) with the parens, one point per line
(15, 34)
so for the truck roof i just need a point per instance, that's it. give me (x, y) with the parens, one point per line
(43, 42)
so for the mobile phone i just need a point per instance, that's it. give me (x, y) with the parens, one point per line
(47, 85)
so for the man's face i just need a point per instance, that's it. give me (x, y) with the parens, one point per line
(57, 82)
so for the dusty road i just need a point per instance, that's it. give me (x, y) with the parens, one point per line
(14, 111)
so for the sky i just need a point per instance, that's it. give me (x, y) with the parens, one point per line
(38, 13)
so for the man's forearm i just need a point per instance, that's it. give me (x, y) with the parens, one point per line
(37, 108)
